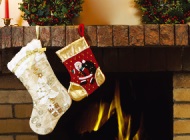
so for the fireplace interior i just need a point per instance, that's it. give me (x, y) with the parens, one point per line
(128, 106)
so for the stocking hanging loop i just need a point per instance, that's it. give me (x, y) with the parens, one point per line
(37, 32)
(81, 30)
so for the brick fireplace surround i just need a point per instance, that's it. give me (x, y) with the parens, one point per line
(118, 48)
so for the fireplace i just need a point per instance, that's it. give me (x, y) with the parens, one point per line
(147, 65)
(145, 100)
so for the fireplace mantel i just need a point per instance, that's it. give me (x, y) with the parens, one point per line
(118, 48)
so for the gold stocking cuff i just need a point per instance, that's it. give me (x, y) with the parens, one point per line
(99, 76)
(72, 49)
(77, 92)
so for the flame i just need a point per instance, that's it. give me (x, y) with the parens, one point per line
(124, 121)
(136, 137)
(100, 116)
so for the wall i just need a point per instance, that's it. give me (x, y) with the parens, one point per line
(15, 108)
(181, 95)
(109, 12)
(14, 12)
(95, 12)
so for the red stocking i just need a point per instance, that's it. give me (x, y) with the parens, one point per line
(84, 70)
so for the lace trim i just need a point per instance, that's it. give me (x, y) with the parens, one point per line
(24, 57)
(28, 54)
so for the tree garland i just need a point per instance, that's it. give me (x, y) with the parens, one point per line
(164, 12)
(50, 12)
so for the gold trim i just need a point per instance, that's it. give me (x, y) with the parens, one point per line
(28, 54)
(72, 49)
(99, 76)
(77, 92)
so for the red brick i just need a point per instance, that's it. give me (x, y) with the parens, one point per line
(181, 80)
(152, 34)
(15, 126)
(167, 34)
(91, 35)
(71, 34)
(181, 94)
(7, 55)
(17, 36)
(104, 36)
(181, 127)
(6, 137)
(26, 137)
(181, 111)
(136, 35)
(10, 82)
(29, 34)
(45, 35)
(6, 37)
(23, 111)
(121, 35)
(6, 111)
(185, 137)
(15, 96)
(58, 36)
(181, 32)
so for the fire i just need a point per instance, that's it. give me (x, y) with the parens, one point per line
(100, 116)
(124, 121)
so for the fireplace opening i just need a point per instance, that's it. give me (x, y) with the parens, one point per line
(128, 106)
